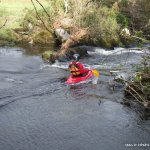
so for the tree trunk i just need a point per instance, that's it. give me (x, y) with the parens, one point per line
(73, 40)
(66, 4)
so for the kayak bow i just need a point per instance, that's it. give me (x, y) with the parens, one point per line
(74, 80)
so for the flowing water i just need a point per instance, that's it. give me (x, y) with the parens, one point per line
(39, 112)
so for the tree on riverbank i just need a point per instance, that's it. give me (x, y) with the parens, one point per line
(104, 20)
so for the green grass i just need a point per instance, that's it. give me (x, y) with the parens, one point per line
(14, 10)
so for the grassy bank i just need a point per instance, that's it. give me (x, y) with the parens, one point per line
(13, 11)
(105, 21)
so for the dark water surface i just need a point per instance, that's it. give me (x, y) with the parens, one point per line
(39, 112)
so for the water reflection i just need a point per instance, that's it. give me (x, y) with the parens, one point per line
(37, 50)
(84, 92)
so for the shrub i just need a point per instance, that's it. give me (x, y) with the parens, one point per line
(124, 2)
(44, 37)
(123, 20)
(139, 88)
(8, 35)
(3, 12)
(102, 24)
(30, 17)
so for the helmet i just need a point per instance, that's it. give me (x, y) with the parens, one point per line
(76, 57)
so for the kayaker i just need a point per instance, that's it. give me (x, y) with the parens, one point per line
(76, 68)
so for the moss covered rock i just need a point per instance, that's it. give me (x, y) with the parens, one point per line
(49, 56)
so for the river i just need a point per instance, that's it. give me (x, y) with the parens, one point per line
(39, 112)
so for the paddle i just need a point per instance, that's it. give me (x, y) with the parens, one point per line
(96, 73)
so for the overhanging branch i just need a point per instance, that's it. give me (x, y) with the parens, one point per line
(40, 17)
(44, 9)
(4, 24)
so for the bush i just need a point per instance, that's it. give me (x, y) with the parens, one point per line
(139, 34)
(44, 37)
(102, 24)
(124, 2)
(139, 88)
(123, 20)
(33, 18)
(3, 12)
(30, 17)
(8, 35)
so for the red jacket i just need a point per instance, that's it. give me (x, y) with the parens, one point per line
(80, 66)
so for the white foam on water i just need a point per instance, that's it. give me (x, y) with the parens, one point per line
(57, 64)
(44, 66)
(60, 66)
(116, 51)
(95, 80)
(106, 66)
(10, 79)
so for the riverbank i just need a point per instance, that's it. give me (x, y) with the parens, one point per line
(12, 14)
(139, 87)
(37, 22)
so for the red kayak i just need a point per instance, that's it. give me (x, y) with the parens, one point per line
(74, 80)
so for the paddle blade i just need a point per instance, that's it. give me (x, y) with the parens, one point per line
(96, 73)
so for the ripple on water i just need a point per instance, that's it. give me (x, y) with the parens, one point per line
(46, 113)
(13, 80)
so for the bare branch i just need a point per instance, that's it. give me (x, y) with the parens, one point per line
(88, 2)
(133, 95)
(4, 24)
(40, 17)
(136, 93)
(44, 9)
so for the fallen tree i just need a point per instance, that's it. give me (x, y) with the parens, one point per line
(73, 40)
(139, 88)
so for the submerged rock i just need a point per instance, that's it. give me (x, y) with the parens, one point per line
(51, 56)
(68, 55)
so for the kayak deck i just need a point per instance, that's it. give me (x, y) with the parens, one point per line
(74, 80)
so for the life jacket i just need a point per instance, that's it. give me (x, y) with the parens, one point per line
(74, 69)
